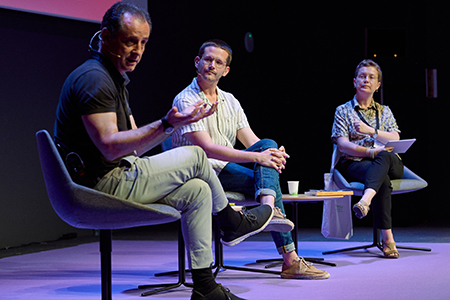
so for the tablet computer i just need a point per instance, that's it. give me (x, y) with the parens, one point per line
(400, 146)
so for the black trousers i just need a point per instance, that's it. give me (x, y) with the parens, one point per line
(376, 174)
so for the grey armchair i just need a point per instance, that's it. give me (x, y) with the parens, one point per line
(83, 207)
(410, 182)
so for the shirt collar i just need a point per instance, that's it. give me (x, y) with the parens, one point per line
(122, 80)
(355, 104)
(198, 90)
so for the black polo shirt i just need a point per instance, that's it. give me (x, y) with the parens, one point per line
(94, 87)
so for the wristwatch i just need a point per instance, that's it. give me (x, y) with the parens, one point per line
(168, 129)
(375, 135)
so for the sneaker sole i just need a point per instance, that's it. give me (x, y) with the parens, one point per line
(280, 226)
(312, 277)
(240, 239)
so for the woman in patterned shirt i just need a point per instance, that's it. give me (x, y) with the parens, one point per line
(361, 128)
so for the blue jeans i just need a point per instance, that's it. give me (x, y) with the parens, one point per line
(255, 179)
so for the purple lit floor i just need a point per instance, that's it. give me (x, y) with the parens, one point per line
(74, 272)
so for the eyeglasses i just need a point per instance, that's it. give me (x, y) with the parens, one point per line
(368, 76)
(218, 62)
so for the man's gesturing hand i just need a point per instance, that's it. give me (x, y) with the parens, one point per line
(190, 114)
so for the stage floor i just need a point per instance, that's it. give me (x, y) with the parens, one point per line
(73, 271)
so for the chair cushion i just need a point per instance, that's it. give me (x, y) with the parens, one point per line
(84, 207)
(240, 199)
(409, 183)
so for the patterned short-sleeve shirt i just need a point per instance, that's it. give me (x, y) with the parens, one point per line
(343, 123)
(222, 126)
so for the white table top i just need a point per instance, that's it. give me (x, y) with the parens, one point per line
(306, 198)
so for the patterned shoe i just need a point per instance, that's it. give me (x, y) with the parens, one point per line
(361, 209)
(279, 223)
(302, 270)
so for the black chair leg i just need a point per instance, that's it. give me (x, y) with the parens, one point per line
(376, 243)
(181, 272)
(279, 261)
(276, 261)
(105, 263)
(219, 262)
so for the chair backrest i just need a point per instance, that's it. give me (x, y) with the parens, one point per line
(83, 207)
(410, 181)
(167, 144)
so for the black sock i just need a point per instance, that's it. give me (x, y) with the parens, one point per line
(228, 219)
(203, 280)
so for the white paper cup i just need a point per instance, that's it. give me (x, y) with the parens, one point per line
(293, 187)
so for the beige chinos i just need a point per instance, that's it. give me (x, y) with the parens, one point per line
(181, 178)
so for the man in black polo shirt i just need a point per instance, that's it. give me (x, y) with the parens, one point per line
(94, 124)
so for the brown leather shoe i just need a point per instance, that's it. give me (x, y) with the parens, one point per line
(303, 270)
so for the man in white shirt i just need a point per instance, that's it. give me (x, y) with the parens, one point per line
(255, 170)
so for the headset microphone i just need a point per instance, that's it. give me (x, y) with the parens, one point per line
(100, 38)
(113, 54)
(93, 37)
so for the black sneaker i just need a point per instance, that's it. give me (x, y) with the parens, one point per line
(253, 221)
(219, 293)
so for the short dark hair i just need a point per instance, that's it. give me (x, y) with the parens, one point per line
(218, 44)
(369, 63)
(113, 20)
